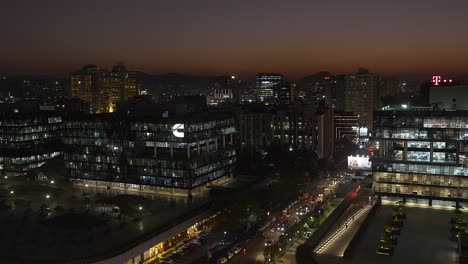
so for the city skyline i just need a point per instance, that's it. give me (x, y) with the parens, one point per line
(212, 38)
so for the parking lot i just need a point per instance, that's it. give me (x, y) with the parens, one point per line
(425, 238)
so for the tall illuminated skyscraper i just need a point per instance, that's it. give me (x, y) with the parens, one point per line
(101, 89)
(265, 86)
(362, 95)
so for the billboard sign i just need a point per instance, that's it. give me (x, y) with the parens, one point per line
(359, 163)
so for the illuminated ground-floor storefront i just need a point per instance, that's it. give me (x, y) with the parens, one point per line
(422, 194)
(149, 188)
(152, 253)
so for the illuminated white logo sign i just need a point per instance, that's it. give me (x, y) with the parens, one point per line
(178, 130)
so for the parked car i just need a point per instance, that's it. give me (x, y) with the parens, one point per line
(230, 254)
(385, 250)
(392, 229)
(388, 238)
(397, 222)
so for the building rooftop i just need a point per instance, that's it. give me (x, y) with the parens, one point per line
(84, 228)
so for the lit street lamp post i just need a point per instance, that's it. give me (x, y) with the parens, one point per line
(14, 195)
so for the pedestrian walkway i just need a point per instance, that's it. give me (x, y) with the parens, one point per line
(337, 241)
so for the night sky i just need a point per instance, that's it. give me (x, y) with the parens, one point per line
(296, 38)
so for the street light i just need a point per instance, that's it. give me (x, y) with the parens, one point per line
(140, 208)
(47, 196)
(6, 177)
(12, 192)
(52, 182)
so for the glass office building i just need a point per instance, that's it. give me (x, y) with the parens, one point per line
(266, 83)
(421, 155)
(28, 140)
(150, 151)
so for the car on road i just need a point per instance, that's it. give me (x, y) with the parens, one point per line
(222, 260)
(282, 226)
(385, 250)
(307, 234)
(237, 250)
(300, 211)
(166, 261)
(268, 243)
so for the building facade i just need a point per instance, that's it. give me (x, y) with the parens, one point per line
(345, 125)
(421, 155)
(449, 97)
(256, 129)
(150, 149)
(325, 135)
(284, 93)
(265, 86)
(362, 95)
(101, 89)
(28, 139)
(296, 127)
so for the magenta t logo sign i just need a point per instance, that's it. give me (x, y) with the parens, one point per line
(436, 79)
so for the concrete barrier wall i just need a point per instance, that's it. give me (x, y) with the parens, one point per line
(320, 232)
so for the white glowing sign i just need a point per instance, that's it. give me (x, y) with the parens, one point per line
(359, 162)
(178, 130)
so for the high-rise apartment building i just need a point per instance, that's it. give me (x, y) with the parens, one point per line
(390, 87)
(339, 93)
(265, 86)
(421, 156)
(362, 95)
(284, 93)
(295, 126)
(256, 129)
(325, 136)
(101, 89)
